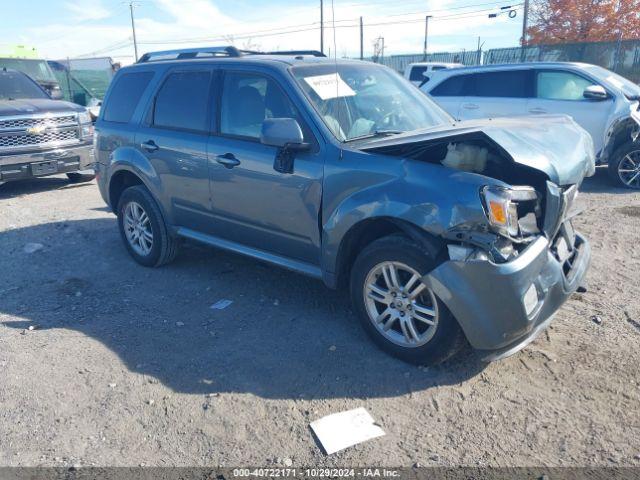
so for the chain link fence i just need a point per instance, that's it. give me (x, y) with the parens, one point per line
(622, 57)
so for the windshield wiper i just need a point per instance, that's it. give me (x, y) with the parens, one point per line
(374, 134)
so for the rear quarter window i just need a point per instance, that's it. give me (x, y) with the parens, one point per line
(125, 96)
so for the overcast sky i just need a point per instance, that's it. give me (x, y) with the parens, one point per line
(70, 28)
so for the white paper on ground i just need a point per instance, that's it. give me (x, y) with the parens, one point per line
(344, 429)
(221, 304)
(329, 86)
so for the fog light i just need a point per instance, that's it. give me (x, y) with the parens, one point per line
(530, 299)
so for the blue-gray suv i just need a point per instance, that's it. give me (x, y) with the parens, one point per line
(444, 233)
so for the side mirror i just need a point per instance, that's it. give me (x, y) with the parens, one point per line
(281, 132)
(595, 92)
(56, 94)
(286, 134)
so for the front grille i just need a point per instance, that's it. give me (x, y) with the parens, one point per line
(26, 140)
(47, 122)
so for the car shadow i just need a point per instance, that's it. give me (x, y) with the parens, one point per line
(601, 182)
(16, 188)
(284, 335)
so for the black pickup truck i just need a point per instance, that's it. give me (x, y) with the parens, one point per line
(40, 136)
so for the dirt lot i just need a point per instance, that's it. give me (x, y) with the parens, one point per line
(128, 366)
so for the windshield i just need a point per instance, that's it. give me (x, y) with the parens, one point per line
(14, 85)
(94, 74)
(362, 99)
(37, 69)
(625, 85)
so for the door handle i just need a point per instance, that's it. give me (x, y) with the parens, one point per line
(228, 160)
(471, 106)
(537, 110)
(149, 146)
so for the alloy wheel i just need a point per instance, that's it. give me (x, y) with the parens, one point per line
(629, 169)
(402, 308)
(137, 228)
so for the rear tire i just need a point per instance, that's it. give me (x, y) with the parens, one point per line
(75, 177)
(624, 166)
(406, 301)
(143, 229)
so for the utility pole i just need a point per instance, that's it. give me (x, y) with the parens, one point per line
(426, 35)
(619, 42)
(133, 28)
(361, 40)
(321, 28)
(525, 19)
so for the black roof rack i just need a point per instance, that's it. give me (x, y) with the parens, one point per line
(225, 51)
(315, 53)
(186, 53)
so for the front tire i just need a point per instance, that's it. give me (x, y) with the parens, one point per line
(400, 313)
(624, 166)
(143, 229)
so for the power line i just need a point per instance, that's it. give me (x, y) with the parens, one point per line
(292, 29)
(297, 28)
(109, 48)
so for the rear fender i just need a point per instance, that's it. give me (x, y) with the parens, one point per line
(131, 160)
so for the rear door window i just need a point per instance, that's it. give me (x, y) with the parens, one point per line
(559, 85)
(183, 102)
(125, 96)
(507, 84)
(452, 87)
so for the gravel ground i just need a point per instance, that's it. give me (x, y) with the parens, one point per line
(104, 362)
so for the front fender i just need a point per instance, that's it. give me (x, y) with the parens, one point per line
(430, 197)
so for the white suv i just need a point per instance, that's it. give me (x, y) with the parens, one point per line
(602, 102)
(418, 73)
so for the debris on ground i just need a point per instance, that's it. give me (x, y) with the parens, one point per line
(32, 247)
(221, 304)
(341, 430)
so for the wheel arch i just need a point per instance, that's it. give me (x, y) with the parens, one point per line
(621, 133)
(368, 230)
(119, 182)
(129, 167)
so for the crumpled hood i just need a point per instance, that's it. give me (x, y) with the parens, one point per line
(553, 144)
(36, 105)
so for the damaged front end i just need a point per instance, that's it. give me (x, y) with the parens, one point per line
(506, 276)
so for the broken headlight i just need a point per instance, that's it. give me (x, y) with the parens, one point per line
(501, 207)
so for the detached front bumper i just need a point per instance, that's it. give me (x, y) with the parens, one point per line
(47, 162)
(488, 299)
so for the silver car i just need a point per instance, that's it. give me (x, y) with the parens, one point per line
(602, 102)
